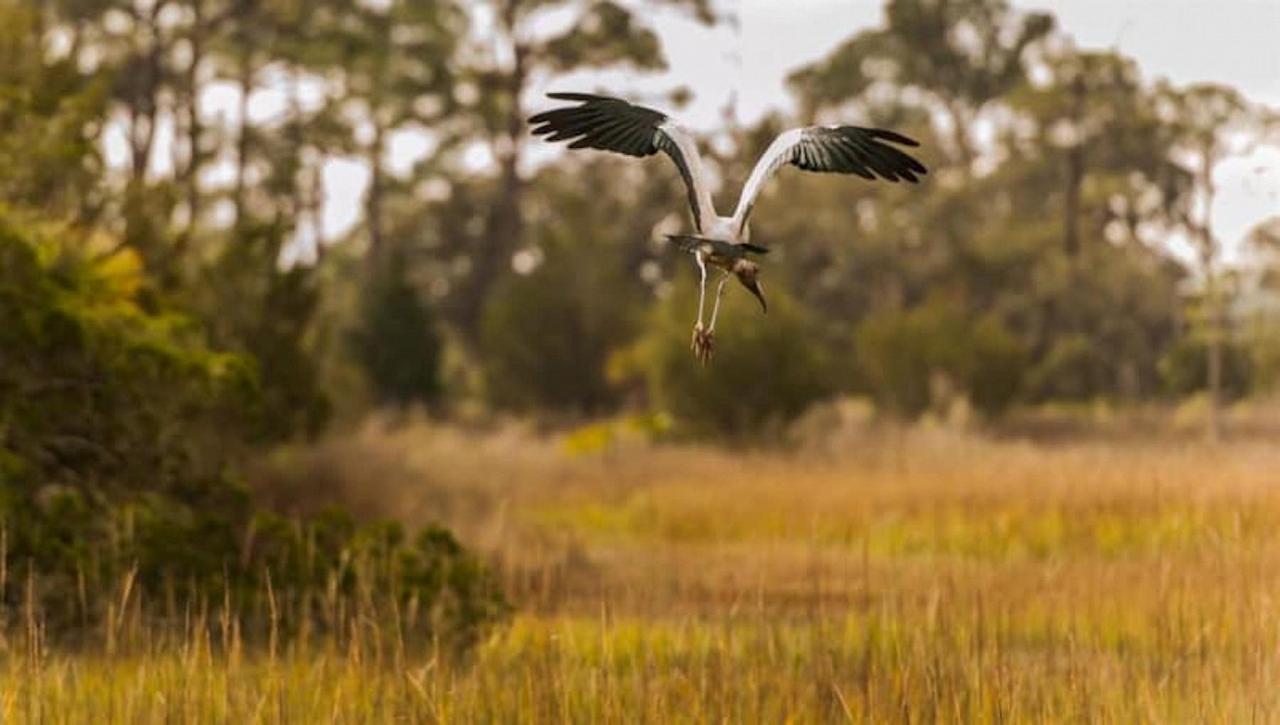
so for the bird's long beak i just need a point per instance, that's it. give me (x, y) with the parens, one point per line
(757, 289)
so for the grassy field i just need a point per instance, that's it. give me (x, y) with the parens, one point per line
(895, 576)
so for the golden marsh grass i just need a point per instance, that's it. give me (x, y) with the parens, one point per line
(907, 576)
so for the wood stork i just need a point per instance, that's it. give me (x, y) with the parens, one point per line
(723, 242)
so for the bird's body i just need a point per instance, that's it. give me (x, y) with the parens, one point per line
(723, 242)
(719, 253)
(723, 229)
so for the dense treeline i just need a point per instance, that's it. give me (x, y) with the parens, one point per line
(172, 304)
(1033, 266)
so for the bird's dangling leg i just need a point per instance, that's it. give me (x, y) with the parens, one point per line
(702, 286)
(715, 309)
(698, 343)
(707, 346)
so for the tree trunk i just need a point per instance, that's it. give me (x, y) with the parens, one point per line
(242, 141)
(1075, 174)
(1213, 311)
(1214, 362)
(315, 201)
(186, 168)
(505, 227)
(960, 136)
(144, 106)
(1071, 210)
(373, 201)
(143, 90)
(195, 156)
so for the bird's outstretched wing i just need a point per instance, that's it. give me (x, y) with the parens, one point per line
(832, 149)
(612, 124)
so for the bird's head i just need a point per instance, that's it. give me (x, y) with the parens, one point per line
(748, 273)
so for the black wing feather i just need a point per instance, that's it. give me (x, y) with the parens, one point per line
(612, 124)
(609, 124)
(857, 150)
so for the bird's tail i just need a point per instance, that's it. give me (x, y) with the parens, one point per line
(690, 242)
(684, 242)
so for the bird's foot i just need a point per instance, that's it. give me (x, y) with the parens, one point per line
(704, 344)
(697, 335)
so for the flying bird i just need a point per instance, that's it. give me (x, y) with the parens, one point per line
(723, 242)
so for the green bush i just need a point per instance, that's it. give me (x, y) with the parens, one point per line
(120, 439)
(398, 344)
(901, 351)
(1073, 368)
(101, 395)
(1184, 369)
(767, 369)
(547, 335)
(267, 317)
(1264, 355)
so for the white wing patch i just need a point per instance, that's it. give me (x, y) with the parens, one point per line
(775, 157)
(864, 152)
(695, 176)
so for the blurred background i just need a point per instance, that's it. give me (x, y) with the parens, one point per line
(345, 198)
(276, 261)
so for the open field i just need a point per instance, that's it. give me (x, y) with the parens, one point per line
(913, 576)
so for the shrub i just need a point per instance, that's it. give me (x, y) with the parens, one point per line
(120, 439)
(901, 351)
(1184, 369)
(767, 369)
(398, 344)
(101, 395)
(546, 337)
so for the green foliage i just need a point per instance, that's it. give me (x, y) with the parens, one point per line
(266, 315)
(228, 558)
(102, 402)
(1061, 244)
(767, 369)
(1185, 367)
(547, 335)
(607, 33)
(50, 113)
(1073, 368)
(1265, 355)
(1059, 176)
(962, 54)
(98, 393)
(398, 344)
(908, 355)
(1261, 326)
(119, 438)
(454, 594)
(997, 367)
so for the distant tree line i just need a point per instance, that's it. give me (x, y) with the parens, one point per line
(1035, 264)
(1032, 266)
